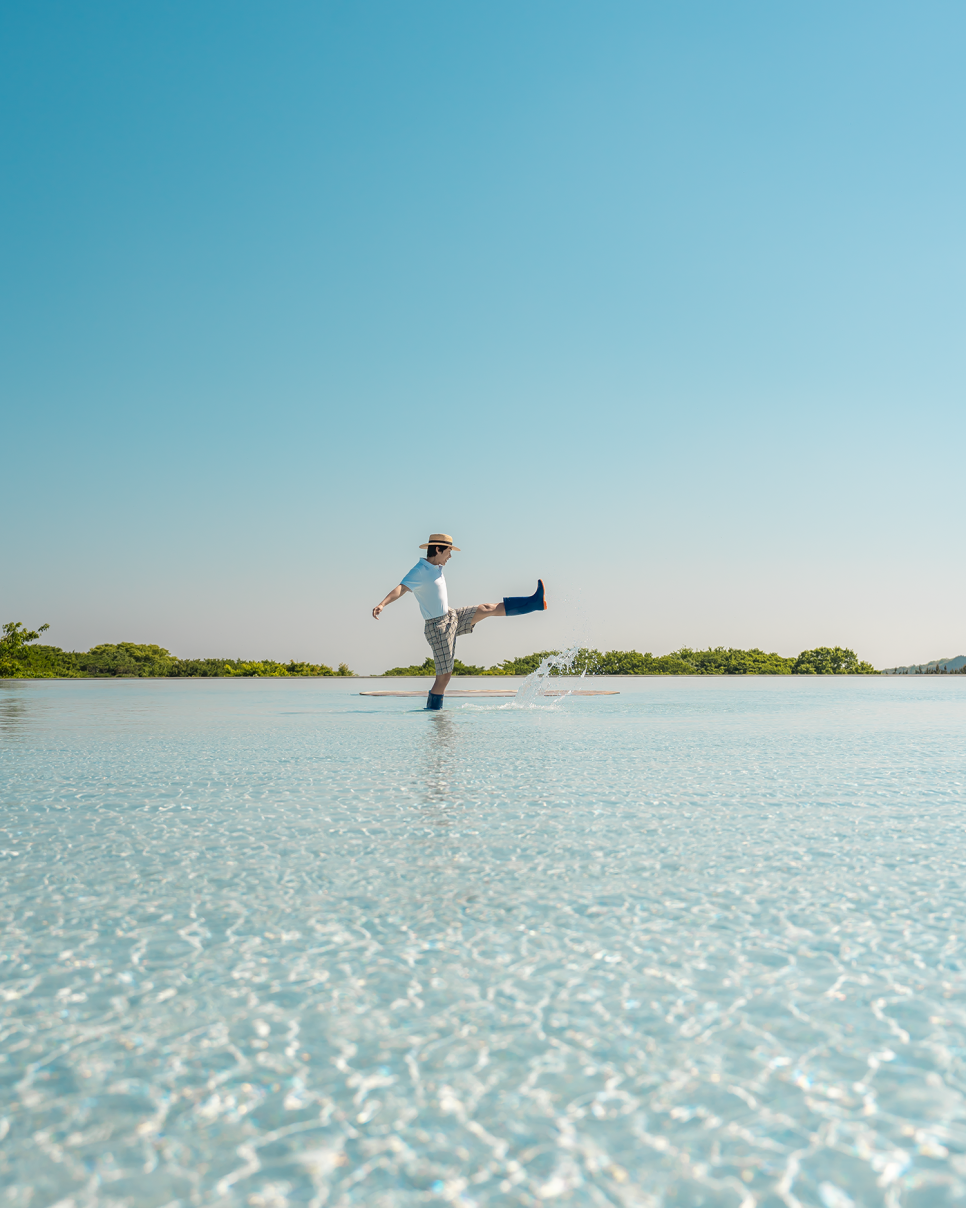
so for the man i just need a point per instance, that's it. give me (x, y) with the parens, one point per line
(443, 625)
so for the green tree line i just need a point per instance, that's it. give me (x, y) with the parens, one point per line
(717, 660)
(21, 657)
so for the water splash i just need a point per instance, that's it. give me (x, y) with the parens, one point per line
(533, 692)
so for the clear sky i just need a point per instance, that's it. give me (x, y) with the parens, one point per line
(662, 302)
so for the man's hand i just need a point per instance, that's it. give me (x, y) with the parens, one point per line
(393, 595)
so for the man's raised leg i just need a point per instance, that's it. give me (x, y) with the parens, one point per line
(488, 610)
(513, 606)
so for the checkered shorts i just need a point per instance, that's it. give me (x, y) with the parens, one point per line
(442, 632)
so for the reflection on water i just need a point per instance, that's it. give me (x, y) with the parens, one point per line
(695, 944)
(441, 760)
(13, 714)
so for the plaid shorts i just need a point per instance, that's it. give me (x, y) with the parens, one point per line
(442, 632)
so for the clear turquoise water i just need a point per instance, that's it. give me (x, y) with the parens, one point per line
(271, 943)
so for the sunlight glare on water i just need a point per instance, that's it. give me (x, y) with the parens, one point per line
(272, 943)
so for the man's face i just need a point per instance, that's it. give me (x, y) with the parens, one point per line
(442, 557)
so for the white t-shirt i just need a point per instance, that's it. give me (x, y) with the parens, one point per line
(427, 584)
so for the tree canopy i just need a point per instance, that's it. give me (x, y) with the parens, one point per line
(15, 646)
(717, 660)
(20, 658)
(831, 660)
(429, 668)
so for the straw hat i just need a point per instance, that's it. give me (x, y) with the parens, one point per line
(441, 539)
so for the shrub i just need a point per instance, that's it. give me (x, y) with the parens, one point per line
(429, 668)
(831, 660)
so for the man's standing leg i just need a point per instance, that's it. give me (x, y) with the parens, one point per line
(441, 634)
(439, 687)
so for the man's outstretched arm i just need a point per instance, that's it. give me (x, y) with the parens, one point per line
(393, 595)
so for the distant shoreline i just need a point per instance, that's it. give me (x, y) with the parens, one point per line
(161, 679)
(22, 656)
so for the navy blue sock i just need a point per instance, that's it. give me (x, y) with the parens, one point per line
(434, 700)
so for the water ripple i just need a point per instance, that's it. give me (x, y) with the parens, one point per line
(696, 944)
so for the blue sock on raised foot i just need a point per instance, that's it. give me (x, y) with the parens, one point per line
(434, 700)
(516, 606)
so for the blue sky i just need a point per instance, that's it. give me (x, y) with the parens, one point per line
(662, 302)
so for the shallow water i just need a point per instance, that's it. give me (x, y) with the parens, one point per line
(271, 943)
